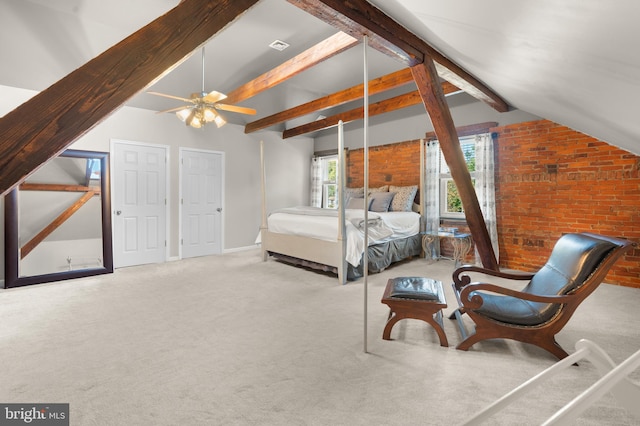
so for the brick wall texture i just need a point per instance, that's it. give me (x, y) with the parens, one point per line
(550, 180)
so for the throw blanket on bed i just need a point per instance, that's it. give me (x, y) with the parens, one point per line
(376, 227)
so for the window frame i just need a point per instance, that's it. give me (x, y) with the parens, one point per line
(327, 183)
(445, 177)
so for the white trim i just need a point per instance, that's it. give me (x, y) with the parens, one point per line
(238, 249)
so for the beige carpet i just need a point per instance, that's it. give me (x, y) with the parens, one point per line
(232, 340)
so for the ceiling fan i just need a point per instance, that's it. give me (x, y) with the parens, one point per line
(202, 106)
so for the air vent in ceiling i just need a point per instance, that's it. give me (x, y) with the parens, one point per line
(279, 45)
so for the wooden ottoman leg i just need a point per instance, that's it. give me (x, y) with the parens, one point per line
(436, 323)
(393, 319)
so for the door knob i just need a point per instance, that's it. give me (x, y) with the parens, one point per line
(219, 209)
(118, 212)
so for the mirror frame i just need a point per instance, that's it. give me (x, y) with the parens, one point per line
(12, 240)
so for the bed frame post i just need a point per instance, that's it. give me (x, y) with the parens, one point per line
(423, 185)
(342, 264)
(263, 225)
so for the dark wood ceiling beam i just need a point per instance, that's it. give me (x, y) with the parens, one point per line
(360, 18)
(425, 76)
(46, 124)
(377, 85)
(387, 105)
(322, 51)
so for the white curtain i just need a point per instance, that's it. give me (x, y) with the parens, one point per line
(485, 187)
(432, 193)
(316, 183)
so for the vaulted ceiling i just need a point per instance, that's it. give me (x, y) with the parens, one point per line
(572, 62)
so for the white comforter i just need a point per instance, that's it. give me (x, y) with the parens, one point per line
(322, 224)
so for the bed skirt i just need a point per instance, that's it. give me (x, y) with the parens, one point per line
(380, 256)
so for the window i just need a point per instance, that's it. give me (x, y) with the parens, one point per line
(450, 203)
(330, 182)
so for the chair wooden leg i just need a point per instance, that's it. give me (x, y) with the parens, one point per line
(469, 341)
(553, 347)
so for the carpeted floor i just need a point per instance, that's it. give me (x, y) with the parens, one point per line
(232, 340)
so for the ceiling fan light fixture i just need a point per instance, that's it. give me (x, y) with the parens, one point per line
(219, 121)
(183, 114)
(198, 116)
(196, 122)
(209, 115)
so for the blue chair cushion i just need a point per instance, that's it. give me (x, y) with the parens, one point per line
(573, 259)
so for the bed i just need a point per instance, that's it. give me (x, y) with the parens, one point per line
(333, 240)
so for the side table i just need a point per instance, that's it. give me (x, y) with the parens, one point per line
(461, 243)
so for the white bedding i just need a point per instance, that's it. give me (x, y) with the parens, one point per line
(322, 224)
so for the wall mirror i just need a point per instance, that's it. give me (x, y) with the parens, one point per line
(58, 221)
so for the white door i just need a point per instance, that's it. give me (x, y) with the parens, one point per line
(139, 204)
(201, 187)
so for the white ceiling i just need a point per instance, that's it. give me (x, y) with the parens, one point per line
(571, 61)
(575, 62)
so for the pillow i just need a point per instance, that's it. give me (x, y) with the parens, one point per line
(356, 203)
(383, 188)
(380, 201)
(354, 193)
(403, 201)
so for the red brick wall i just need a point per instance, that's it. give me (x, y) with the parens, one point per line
(549, 180)
(394, 164)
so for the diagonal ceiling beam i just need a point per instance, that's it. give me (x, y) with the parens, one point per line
(360, 18)
(382, 107)
(378, 85)
(322, 51)
(434, 101)
(46, 124)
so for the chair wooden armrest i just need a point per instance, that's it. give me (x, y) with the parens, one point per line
(461, 280)
(475, 301)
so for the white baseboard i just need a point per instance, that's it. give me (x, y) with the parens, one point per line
(236, 249)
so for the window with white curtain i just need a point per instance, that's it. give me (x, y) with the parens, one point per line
(450, 203)
(329, 167)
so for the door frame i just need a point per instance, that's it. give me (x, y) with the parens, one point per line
(222, 193)
(167, 210)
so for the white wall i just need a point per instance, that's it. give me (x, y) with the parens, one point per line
(287, 163)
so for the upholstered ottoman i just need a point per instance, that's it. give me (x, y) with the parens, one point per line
(416, 298)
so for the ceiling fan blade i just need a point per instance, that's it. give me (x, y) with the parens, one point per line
(171, 96)
(174, 109)
(213, 97)
(233, 108)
